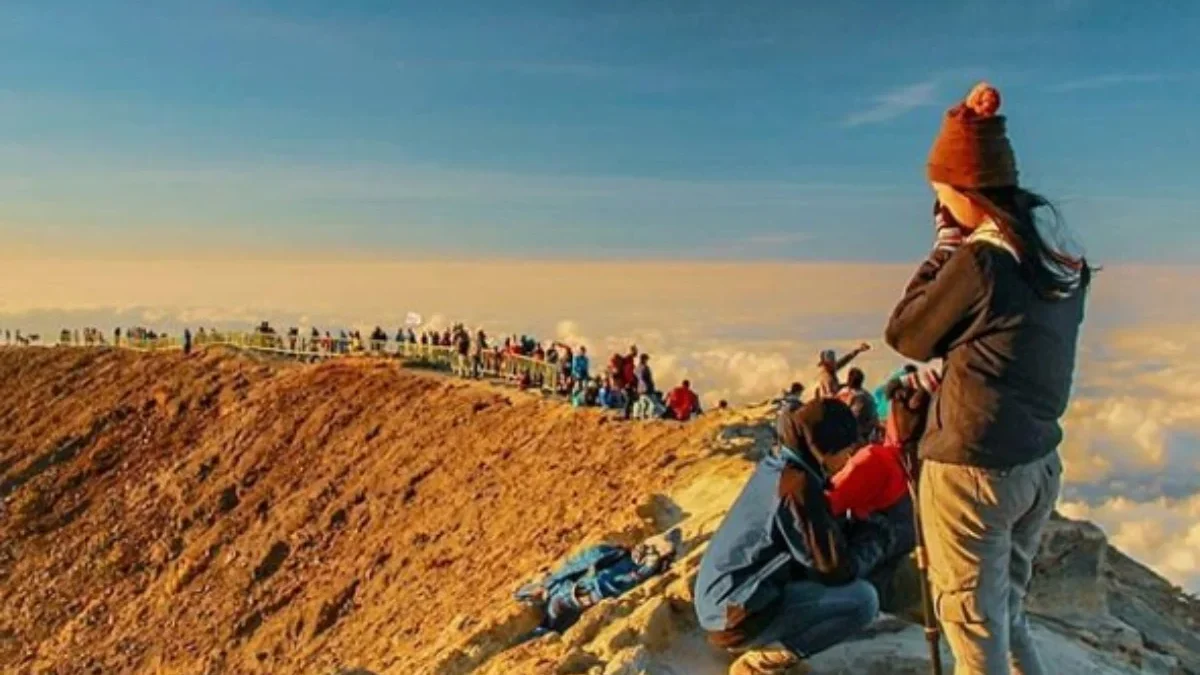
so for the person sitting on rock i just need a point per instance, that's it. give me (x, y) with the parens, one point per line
(682, 403)
(611, 397)
(596, 573)
(783, 577)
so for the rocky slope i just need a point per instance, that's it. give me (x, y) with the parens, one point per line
(217, 514)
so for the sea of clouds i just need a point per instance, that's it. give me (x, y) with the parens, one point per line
(740, 331)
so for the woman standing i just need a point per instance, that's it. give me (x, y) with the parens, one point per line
(1001, 300)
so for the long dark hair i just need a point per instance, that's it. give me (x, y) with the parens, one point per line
(1016, 212)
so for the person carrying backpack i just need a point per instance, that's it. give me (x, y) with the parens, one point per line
(1000, 299)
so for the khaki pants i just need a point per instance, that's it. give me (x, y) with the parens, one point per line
(982, 530)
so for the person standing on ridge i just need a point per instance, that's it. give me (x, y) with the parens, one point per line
(187, 342)
(828, 366)
(1001, 300)
(580, 366)
(647, 393)
(628, 365)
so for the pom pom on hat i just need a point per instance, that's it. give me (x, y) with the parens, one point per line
(983, 100)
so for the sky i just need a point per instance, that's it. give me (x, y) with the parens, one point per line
(556, 130)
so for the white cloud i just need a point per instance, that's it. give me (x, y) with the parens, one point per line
(894, 103)
(1162, 533)
(1113, 80)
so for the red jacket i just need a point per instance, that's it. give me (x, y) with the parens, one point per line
(683, 402)
(873, 480)
(629, 371)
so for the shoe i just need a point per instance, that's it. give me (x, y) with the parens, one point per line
(773, 660)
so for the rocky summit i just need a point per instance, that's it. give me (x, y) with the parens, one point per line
(222, 514)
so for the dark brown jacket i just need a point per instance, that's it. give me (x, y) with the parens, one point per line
(1009, 356)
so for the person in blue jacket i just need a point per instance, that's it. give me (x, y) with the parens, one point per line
(783, 577)
(579, 366)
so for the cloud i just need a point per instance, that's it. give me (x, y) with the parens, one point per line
(1112, 80)
(1161, 533)
(894, 103)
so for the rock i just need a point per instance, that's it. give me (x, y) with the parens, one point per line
(680, 593)
(1068, 573)
(655, 624)
(577, 661)
(595, 619)
(633, 661)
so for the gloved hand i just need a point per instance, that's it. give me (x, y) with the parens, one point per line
(948, 233)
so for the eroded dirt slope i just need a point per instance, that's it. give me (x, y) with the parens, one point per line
(212, 513)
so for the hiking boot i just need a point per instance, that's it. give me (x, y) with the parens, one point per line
(773, 660)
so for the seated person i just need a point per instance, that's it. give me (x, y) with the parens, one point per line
(591, 392)
(781, 580)
(611, 396)
(578, 396)
(682, 403)
(599, 572)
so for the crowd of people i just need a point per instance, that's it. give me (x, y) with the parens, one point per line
(625, 384)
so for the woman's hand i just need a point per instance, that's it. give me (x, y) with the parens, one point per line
(948, 233)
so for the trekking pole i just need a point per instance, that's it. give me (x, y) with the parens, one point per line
(932, 634)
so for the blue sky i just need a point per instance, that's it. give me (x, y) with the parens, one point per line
(570, 129)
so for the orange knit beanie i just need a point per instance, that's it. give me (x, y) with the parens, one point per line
(972, 150)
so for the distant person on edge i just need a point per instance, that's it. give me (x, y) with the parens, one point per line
(828, 366)
(1000, 299)
(784, 578)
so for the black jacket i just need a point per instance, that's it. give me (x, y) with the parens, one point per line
(1009, 355)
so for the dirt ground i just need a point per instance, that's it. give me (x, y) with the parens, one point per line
(217, 514)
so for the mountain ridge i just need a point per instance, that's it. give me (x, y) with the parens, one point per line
(216, 513)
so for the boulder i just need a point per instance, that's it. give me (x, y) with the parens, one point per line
(1068, 573)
